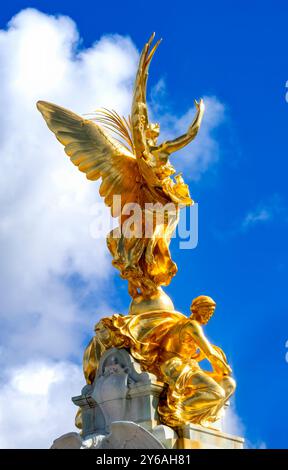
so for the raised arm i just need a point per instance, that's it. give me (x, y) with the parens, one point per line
(139, 112)
(171, 146)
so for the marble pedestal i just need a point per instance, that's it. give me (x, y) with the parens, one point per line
(119, 411)
(120, 392)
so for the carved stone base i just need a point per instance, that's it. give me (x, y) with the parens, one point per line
(120, 392)
(128, 435)
(119, 411)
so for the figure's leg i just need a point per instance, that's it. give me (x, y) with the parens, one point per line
(192, 396)
(201, 397)
(229, 385)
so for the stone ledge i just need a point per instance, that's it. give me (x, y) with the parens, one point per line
(193, 436)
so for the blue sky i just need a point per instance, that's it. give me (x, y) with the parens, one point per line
(236, 52)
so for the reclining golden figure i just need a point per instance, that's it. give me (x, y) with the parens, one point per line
(171, 346)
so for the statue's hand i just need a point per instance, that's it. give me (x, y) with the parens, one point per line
(227, 369)
(193, 129)
(220, 365)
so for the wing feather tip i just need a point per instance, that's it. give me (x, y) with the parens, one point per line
(40, 105)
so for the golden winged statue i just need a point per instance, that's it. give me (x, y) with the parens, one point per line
(136, 172)
(124, 153)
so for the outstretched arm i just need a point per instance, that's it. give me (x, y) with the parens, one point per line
(171, 146)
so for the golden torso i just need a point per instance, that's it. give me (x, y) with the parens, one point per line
(180, 342)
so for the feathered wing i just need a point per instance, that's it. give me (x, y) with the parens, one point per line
(139, 112)
(95, 153)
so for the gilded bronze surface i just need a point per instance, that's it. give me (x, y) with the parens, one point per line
(132, 165)
(171, 346)
(139, 171)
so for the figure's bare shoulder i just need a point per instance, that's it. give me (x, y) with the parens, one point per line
(194, 328)
(195, 325)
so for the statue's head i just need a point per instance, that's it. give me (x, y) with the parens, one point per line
(152, 133)
(202, 309)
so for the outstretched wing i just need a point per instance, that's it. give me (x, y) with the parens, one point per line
(139, 112)
(95, 153)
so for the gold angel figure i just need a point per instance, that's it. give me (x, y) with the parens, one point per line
(136, 169)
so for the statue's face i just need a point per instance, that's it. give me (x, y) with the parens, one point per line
(204, 313)
(152, 133)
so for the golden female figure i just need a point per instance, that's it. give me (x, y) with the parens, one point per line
(172, 347)
(136, 172)
(139, 172)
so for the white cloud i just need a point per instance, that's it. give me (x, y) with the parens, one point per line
(35, 404)
(203, 152)
(231, 423)
(254, 217)
(195, 159)
(46, 204)
(46, 216)
(264, 212)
